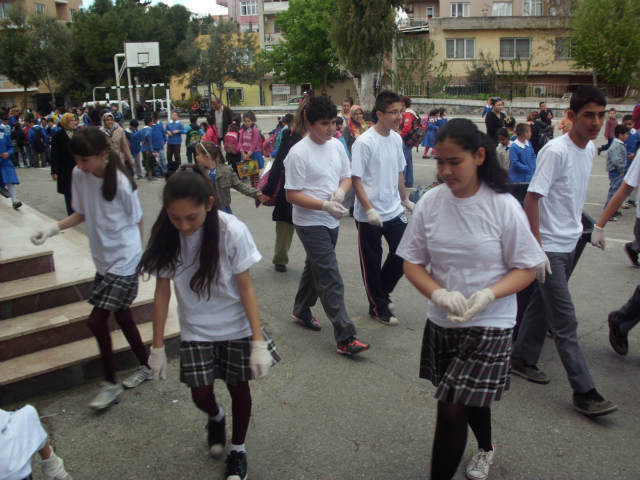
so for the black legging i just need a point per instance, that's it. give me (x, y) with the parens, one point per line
(67, 202)
(98, 324)
(205, 400)
(451, 436)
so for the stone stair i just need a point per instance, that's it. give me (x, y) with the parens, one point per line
(45, 343)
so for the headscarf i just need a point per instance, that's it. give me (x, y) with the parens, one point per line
(108, 132)
(354, 129)
(64, 123)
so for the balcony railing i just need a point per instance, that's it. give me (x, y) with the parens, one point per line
(413, 22)
(272, 38)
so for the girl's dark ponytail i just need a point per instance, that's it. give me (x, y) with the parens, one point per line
(464, 133)
(110, 184)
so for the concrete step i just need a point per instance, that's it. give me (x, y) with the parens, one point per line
(18, 264)
(55, 369)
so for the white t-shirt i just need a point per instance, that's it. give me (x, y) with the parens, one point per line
(632, 178)
(378, 160)
(471, 243)
(562, 178)
(316, 170)
(221, 317)
(112, 227)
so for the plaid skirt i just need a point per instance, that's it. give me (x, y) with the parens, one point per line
(469, 366)
(203, 362)
(114, 292)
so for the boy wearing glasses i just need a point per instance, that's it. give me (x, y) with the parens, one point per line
(378, 181)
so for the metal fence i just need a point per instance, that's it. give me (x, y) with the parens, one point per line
(506, 90)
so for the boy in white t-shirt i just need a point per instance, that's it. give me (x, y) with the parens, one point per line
(317, 178)
(378, 182)
(554, 207)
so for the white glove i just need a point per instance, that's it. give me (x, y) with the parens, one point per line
(40, 236)
(452, 301)
(597, 237)
(158, 363)
(260, 360)
(334, 209)
(476, 303)
(542, 269)
(409, 205)
(337, 196)
(374, 218)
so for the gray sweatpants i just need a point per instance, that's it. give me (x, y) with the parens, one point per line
(321, 278)
(551, 306)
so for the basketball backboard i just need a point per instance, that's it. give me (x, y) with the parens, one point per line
(142, 55)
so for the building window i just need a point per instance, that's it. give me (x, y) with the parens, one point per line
(512, 48)
(248, 27)
(237, 92)
(502, 9)
(532, 8)
(39, 8)
(430, 12)
(72, 14)
(4, 10)
(276, 28)
(460, 48)
(563, 48)
(268, 48)
(459, 9)
(249, 8)
(242, 56)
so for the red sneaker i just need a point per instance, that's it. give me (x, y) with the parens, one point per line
(351, 346)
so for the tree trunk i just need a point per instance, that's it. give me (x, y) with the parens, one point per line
(364, 87)
(24, 102)
(324, 81)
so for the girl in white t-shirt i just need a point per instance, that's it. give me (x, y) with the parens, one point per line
(208, 254)
(477, 240)
(104, 195)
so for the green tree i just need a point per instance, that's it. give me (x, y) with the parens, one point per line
(363, 32)
(482, 70)
(306, 55)
(218, 52)
(605, 35)
(415, 69)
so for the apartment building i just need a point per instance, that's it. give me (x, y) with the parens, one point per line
(64, 11)
(243, 12)
(529, 29)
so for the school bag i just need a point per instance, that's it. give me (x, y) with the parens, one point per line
(268, 146)
(39, 141)
(193, 137)
(263, 183)
(544, 138)
(231, 142)
(416, 134)
(419, 191)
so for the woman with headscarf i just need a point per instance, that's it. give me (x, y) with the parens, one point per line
(355, 126)
(117, 140)
(62, 162)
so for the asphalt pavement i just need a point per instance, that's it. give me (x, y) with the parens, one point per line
(319, 415)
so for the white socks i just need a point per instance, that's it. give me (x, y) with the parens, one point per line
(218, 418)
(12, 191)
(237, 448)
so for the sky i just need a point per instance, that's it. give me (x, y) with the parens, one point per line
(195, 6)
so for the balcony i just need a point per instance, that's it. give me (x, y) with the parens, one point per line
(269, 8)
(414, 25)
(496, 23)
(272, 38)
(222, 3)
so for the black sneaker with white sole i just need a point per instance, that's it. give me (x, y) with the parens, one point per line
(530, 372)
(217, 435)
(236, 465)
(311, 324)
(388, 320)
(633, 256)
(592, 404)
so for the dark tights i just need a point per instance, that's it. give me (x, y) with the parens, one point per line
(98, 324)
(451, 436)
(205, 400)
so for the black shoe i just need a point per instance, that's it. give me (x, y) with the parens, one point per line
(592, 404)
(281, 268)
(351, 346)
(217, 436)
(351, 212)
(388, 319)
(633, 256)
(598, 150)
(633, 203)
(311, 324)
(617, 214)
(236, 465)
(619, 342)
(530, 372)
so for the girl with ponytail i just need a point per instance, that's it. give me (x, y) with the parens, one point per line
(209, 156)
(104, 195)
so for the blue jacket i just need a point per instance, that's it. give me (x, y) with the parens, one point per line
(175, 139)
(441, 121)
(6, 145)
(135, 140)
(487, 109)
(5, 128)
(86, 119)
(523, 162)
(32, 135)
(146, 139)
(158, 136)
(632, 143)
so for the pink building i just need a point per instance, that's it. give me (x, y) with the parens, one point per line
(243, 12)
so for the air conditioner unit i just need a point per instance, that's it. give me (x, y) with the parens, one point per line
(539, 91)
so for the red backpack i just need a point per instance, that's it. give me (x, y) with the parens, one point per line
(231, 142)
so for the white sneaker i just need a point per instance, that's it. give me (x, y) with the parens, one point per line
(108, 394)
(625, 205)
(53, 469)
(478, 468)
(142, 374)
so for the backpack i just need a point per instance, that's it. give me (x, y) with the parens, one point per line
(419, 191)
(268, 146)
(231, 142)
(193, 137)
(416, 134)
(543, 139)
(39, 141)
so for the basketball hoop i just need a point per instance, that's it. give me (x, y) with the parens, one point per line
(143, 65)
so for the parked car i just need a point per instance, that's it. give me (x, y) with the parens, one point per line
(292, 101)
(160, 106)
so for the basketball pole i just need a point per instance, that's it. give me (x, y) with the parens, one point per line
(119, 72)
(132, 102)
